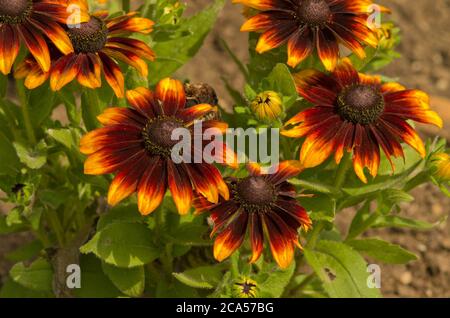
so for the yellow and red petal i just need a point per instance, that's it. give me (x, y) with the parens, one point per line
(129, 58)
(345, 73)
(180, 187)
(37, 45)
(256, 237)
(9, 47)
(254, 168)
(109, 136)
(231, 238)
(215, 176)
(130, 25)
(201, 205)
(282, 247)
(222, 213)
(143, 101)
(126, 181)
(64, 71)
(152, 186)
(36, 77)
(275, 36)
(171, 93)
(132, 45)
(197, 112)
(300, 46)
(89, 74)
(264, 21)
(121, 115)
(327, 48)
(412, 104)
(110, 159)
(319, 145)
(392, 87)
(285, 170)
(263, 4)
(57, 35)
(202, 182)
(400, 128)
(317, 87)
(113, 75)
(388, 142)
(366, 153)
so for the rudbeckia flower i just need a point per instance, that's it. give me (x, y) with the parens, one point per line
(263, 203)
(99, 44)
(32, 22)
(359, 113)
(136, 144)
(306, 25)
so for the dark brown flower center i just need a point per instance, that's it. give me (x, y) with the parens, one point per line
(314, 12)
(15, 11)
(360, 104)
(88, 37)
(255, 193)
(158, 135)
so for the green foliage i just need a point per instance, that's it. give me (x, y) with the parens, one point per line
(342, 270)
(383, 251)
(123, 245)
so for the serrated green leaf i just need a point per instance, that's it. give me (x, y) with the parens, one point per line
(273, 282)
(383, 251)
(201, 277)
(25, 252)
(34, 158)
(94, 282)
(123, 245)
(342, 270)
(38, 276)
(402, 222)
(130, 281)
(9, 161)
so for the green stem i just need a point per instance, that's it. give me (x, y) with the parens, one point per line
(341, 174)
(315, 235)
(126, 5)
(56, 226)
(234, 259)
(11, 119)
(91, 109)
(25, 112)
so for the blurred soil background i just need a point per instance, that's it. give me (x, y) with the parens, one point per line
(425, 64)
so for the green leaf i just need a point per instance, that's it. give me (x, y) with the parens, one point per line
(123, 245)
(38, 276)
(342, 271)
(94, 282)
(191, 234)
(201, 277)
(321, 206)
(69, 138)
(9, 161)
(32, 158)
(398, 221)
(11, 289)
(383, 251)
(41, 102)
(25, 252)
(273, 282)
(130, 281)
(313, 185)
(127, 213)
(281, 81)
(184, 43)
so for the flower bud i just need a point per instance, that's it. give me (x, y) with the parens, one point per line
(442, 164)
(267, 106)
(245, 287)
